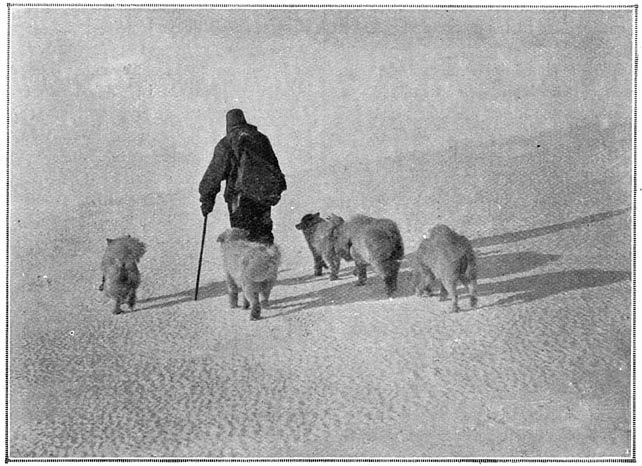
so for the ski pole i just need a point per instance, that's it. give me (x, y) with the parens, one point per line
(200, 258)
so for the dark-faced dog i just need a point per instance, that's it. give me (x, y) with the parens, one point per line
(318, 233)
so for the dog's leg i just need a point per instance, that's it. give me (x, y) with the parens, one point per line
(318, 265)
(390, 269)
(423, 281)
(251, 291)
(443, 293)
(232, 292)
(361, 274)
(471, 276)
(131, 300)
(102, 285)
(266, 289)
(334, 262)
(472, 289)
(117, 309)
(450, 286)
(256, 312)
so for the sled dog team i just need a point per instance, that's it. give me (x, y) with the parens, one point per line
(443, 259)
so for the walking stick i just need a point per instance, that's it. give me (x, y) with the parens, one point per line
(200, 258)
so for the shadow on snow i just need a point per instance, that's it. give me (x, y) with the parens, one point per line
(490, 265)
(540, 231)
(211, 290)
(534, 287)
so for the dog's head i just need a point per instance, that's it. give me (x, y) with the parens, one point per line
(112, 240)
(308, 220)
(232, 234)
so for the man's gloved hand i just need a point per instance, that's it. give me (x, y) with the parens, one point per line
(207, 207)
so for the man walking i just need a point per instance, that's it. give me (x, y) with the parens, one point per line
(244, 158)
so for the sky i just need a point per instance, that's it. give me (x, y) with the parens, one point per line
(106, 101)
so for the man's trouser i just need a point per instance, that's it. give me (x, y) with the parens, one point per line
(253, 217)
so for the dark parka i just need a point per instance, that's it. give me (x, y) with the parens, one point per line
(223, 167)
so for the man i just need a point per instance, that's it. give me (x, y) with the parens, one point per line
(248, 213)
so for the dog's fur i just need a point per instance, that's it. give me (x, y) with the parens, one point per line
(374, 241)
(119, 266)
(250, 266)
(447, 257)
(319, 234)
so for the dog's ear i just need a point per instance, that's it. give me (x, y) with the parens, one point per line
(109, 240)
(306, 221)
(221, 238)
(335, 219)
(236, 234)
(241, 233)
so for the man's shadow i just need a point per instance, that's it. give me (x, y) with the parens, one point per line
(211, 290)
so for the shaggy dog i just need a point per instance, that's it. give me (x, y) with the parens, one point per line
(249, 266)
(318, 234)
(121, 277)
(448, 257)
(375, 241)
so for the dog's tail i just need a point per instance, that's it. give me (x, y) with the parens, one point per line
(123, 273)
(471, 265)
(397, 243)
(128, 271)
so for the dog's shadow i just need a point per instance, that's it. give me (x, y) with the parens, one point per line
(348, 292)
(345, 293)
(490, 265)
(546, 230)
(522, 289)
(535, 287)
(498, 265)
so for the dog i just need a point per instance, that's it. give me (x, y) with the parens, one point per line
(249, 266)
(119, 266)
(319, 233)
(449, 258)
(374, 241)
